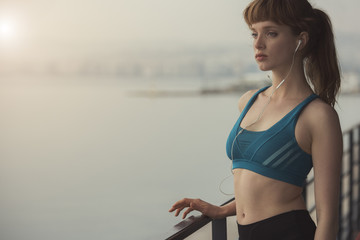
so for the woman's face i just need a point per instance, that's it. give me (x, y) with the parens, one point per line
(274, 46)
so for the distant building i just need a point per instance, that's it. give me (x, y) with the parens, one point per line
(350, 83)
(256, 79)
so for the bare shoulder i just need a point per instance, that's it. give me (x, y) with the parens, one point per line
(244, 99)
(321, 116)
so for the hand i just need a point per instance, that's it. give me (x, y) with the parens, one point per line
(195, 204)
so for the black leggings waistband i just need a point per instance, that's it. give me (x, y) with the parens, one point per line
(294, 225)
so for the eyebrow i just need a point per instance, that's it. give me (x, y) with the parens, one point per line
(266, 27)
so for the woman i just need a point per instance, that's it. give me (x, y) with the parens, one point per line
(286, 129)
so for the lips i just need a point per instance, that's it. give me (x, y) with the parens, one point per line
(260, 57)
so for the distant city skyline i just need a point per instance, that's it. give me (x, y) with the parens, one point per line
(42, 29)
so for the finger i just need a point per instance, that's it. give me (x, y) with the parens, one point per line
(178, 211)
(177, 206)
(187, 212)
(172, 209)
(182, 203)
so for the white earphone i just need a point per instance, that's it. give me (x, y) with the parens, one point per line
(298, 45)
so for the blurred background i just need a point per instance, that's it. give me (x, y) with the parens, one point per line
(113, 110)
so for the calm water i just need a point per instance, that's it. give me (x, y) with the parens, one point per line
(82, 159)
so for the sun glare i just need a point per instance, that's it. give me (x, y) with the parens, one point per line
(7, 30)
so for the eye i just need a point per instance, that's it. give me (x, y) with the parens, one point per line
(254, 35)
(271, 34)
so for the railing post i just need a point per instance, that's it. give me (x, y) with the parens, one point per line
(219, 231)
(351, 183)
(358, 179)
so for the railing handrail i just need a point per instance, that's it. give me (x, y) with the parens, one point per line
(192, 224)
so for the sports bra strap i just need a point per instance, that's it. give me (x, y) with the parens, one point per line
(297, 110)
(292, 113)
(251, 101)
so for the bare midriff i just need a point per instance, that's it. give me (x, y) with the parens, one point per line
(258, 197)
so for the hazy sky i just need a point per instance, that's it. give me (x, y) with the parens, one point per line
(83, 26)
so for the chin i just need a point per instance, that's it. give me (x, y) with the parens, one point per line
(264, 68)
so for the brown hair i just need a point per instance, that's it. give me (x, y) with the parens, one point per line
(320, 59)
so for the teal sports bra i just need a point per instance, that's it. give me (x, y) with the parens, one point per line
(273, 153)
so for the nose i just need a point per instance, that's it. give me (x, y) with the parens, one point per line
(259, 42)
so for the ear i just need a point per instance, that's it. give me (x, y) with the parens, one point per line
(304, 37)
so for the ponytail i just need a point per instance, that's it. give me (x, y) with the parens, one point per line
(321, 64)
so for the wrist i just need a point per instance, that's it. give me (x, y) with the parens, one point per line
(223, 212)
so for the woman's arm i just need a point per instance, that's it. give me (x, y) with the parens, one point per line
(205, 208)
(327, 149)
(212, 211)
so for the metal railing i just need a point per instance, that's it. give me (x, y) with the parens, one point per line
(349, 208)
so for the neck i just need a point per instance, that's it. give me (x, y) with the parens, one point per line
(291, 84)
